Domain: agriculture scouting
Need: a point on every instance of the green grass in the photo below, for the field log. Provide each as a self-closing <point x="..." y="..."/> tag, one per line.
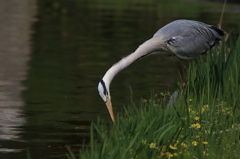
<point x="203" y="123"/>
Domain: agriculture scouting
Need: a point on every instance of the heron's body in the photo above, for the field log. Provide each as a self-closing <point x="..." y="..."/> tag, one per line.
<point x="187" y="39"/>
<point x="184" y="39"/>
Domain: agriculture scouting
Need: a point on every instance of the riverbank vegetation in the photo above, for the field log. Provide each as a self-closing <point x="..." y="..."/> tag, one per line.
<point x="202" y="123"/>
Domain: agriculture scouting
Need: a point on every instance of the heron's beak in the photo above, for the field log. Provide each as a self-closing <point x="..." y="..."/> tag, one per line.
<point x="109" y="106"/>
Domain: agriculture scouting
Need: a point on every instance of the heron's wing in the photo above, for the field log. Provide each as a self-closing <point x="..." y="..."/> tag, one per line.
<point x="187" y="38"/>
<point x="188" y="47"/>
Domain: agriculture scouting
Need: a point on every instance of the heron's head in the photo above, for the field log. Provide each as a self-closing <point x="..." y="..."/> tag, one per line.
<point x="103" y="91"/>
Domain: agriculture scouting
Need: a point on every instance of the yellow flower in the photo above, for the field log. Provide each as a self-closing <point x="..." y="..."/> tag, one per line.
<point x="190" y="100"/>
<point x="175" y="154"/>
<point x="173" y="147"/>
<point x="144" y="141"/>
<point x="189" y="109"/>
<point x="152" y="145"/>
<point x="232" y="126"/>
<point x="169" y="155"/>
<point x="223" y="110"/>
<point x="197" y="118"/>
<point x="197" y="125"/>
<point x="161" y="154"/>
<point x="204" y="108"/>
<point x="164" y="148"/>
<point x="205" y="142"/>
<point x="207" y="131"/>
<point x="184" y="145"/>
<point x="194" y="143"/>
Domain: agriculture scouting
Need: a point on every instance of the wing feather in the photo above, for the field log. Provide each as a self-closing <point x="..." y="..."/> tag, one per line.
<point x="187" y="38"/>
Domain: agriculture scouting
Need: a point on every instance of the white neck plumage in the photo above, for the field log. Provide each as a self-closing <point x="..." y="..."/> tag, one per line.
<point x="147" y="48"/>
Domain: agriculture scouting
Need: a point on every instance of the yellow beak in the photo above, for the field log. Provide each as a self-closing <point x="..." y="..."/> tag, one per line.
<point x="109" y="106"/>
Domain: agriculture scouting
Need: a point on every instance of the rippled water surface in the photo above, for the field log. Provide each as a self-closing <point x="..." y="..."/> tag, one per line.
<point x="53" y="53"/>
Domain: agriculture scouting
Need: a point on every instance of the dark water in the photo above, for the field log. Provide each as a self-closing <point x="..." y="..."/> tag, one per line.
<point x="48" y="81"/>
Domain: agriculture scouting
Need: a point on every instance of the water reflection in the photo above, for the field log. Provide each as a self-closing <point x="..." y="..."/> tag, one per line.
<point x="15" y="23"/>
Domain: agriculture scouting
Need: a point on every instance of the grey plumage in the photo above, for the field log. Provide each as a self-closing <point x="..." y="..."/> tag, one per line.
<point x="187" y="39"/>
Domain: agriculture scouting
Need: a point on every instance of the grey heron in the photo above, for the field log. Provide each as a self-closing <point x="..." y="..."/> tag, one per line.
<point x="184" y="39"/>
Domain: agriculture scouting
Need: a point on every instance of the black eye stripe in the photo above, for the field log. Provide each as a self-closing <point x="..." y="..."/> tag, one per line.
<point x="104" y="86"/>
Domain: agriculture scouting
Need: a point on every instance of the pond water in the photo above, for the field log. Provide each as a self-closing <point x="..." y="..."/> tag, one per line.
<point x="48" y="81"/>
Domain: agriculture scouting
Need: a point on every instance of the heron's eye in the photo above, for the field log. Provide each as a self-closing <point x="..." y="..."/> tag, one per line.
<point x="172" y="40"/>
<point x="104" y="87"/>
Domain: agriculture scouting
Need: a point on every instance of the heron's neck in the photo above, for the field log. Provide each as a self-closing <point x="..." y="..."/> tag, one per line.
<point x="143" y="50"/>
